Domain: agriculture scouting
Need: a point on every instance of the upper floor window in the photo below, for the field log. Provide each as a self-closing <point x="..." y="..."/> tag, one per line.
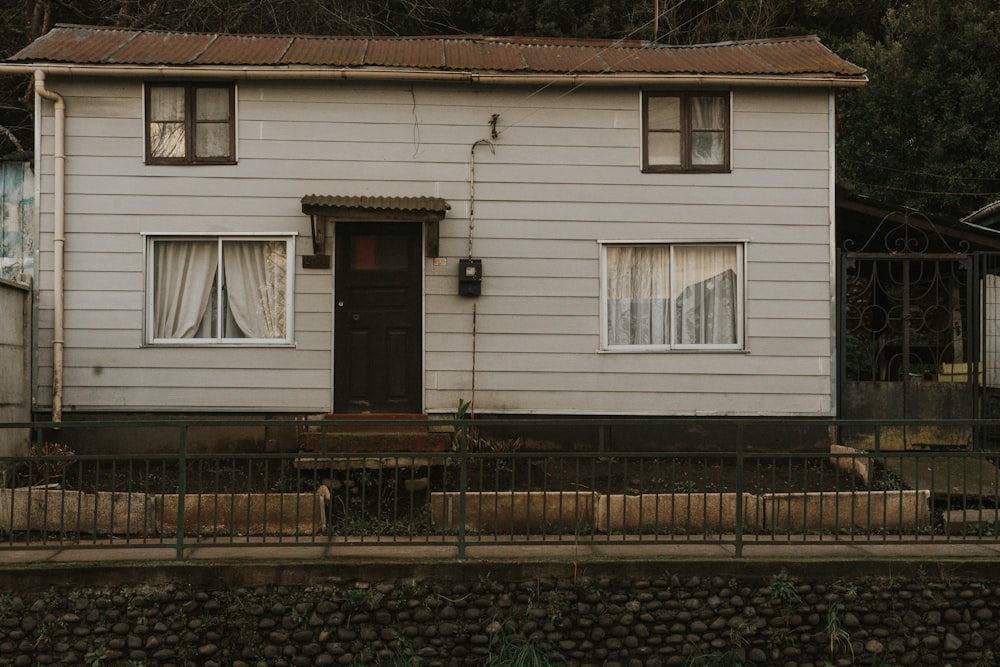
<point x="190" y="123"/>
<point x="219" y="289"/>
<point x="685" y="131"/>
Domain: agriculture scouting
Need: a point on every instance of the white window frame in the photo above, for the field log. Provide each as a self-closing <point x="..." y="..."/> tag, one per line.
<point x="149" y="239"/>
<point x="741" y="280"/>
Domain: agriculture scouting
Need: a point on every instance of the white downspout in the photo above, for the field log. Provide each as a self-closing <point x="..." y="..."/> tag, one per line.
<point x="58" y="241"/>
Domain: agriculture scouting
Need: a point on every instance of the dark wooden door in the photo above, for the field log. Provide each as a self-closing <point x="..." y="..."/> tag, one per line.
<point x="377" y="321"/>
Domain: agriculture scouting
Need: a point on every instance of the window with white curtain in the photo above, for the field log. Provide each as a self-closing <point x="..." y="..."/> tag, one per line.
<point x="219" y="289"/>
<point x="685" y="132"/>
<point x="673" y="296"/>
<point x="190" y="123"/>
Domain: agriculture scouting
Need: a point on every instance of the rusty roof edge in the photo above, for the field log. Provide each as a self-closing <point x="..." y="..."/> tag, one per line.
<point x="376" y="73"/>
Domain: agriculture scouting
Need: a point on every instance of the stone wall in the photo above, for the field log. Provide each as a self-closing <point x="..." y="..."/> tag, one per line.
<point x="473" y="612"/>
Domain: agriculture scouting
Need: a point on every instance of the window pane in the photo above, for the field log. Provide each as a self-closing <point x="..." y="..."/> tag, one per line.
<point x="212" y="140"/>
<point x="166" y="140"/>
<point x="166" y="104"/>
<point x="637" y="294"/>
<point x="381" y="253"/>
<point x="211" y="104"/>
<point x="705" y="292"/>
<point x="254" y="273"/>
<point x="183" y="277"/>
<point x="664" y="113"/>
<point x="708" y="148"/>
<point x="663" y="148"/>
<point x="708" y="113"/>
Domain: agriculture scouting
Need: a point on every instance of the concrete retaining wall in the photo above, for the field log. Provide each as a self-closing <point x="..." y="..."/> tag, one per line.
<point x="866" y="511"/>
<point x="517" y="512"/>
<point x="53" y="510"/>
<point x="15" y="367"/>
<point x="683" y="513"/>
<point x="244" y="514"/>
<point x="104" y="513"/>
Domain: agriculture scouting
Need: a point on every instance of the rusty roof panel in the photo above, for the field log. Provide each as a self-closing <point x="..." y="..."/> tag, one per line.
<point x="343" y="52"/>
<point x="77" y="45"/>
<point x="775" y="57"/>
<point x="420" y="204"/>
<point x="492" y="56"/>
<point x="152" y="48"/>
<point x="244" y="49"/>
<point x="802" y="55"/>
<point x="420" y="53"/>
<point x="565" y="58"/>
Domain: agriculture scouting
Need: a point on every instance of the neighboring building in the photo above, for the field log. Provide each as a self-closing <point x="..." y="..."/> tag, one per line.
<point x="280" y="225"/>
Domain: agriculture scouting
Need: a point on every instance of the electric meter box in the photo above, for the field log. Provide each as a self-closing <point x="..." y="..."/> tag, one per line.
<point x="470" y="277"/>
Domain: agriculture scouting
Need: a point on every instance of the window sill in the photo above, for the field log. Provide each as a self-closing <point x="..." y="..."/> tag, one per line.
<point x="216" y="346"/>
<point x="661" y="170"/>
<point x="179" y="163"/>
<point x="672" y="350"/>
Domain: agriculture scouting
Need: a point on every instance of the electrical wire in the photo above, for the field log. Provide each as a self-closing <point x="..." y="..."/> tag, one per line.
<point x="920" y="173"/>
<point x="942" y="193"/>
<point x="520" y="102"/>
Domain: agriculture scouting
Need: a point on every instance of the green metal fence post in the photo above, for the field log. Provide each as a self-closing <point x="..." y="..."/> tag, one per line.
<point x="181" y="489"/>
<point x="740" y="443"/>
<point x="463" y="482"/>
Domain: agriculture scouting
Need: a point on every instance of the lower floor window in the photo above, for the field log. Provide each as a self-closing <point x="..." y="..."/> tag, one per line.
<point x="673" y="296"/>
<point x="219" y="289"/>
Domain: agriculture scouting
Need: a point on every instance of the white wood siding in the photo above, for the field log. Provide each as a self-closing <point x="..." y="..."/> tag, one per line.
<point x="565" y="174"/>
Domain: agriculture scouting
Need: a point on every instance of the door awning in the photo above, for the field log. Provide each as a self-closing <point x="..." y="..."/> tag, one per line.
<point x="428" y="210"/>
<point x="403" y="209"/>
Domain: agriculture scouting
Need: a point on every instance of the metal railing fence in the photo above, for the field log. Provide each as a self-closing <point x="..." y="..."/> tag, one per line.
<point x="500" y="490"/>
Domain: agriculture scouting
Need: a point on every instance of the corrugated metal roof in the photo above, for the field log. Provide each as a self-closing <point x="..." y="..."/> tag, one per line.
<point x="416" y="204"/>
<point x="252" y="50"/>
<point x="83" y="45"/>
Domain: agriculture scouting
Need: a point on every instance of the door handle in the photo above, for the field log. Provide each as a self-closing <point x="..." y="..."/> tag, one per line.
<point x="340" y="304"/>
<point x="356" y="317"/>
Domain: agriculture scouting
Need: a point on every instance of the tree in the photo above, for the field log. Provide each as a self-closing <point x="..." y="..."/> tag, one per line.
<point x="924" y="133"/>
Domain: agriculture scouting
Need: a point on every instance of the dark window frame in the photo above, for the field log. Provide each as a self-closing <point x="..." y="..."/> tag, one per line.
<point x="190" y="123"/>
<point x="686" y="131"/>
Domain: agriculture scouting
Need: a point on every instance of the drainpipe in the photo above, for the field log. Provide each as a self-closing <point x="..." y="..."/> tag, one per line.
<point x="58" y="242"/>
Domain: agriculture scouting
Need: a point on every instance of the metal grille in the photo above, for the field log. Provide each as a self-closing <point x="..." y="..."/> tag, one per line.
<point x="904" y="317"/>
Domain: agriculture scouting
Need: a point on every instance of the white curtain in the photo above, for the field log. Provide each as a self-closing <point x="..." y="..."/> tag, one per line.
<point x="705" y="295"/>
<point x="638" y="292"/>
<point x="183" y="277"/>
<point x="166" y="121"/>
<point x="708" y="137"/>
<point x="255" y="287"/>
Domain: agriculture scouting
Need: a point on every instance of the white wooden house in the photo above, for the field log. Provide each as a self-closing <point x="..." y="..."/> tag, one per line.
<point x="284" y="225"/>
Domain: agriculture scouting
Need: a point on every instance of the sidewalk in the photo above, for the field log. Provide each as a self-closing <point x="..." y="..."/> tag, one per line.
<point x="814" y="549"/>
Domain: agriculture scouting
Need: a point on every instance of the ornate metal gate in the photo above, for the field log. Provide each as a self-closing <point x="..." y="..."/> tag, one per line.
<point x="906" y="351"/>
